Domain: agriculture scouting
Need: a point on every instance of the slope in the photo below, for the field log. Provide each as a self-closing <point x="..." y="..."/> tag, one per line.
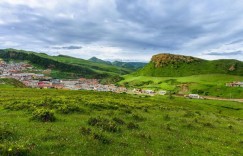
<point x="64" y="64"/>
<point x="11" y="83"/>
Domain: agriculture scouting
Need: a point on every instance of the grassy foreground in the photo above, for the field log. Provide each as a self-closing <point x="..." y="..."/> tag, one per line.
<point x="53" y="122"/>
<point x="208" y="84"/>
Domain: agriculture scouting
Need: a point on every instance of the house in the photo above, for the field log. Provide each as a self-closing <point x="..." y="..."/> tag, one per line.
<point x="57" y="85"/>
<point x="44" y="84"/>
<point x="194" y="96"/>
<point x="149" y="92"/>
<point x="162" y="92"/>
<point x="234" y="84"/>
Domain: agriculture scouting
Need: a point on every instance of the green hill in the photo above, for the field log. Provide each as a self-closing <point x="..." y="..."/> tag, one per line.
<point x="11" y="83"/>
<point x="178" y="65"/>
<point x="97" y="60"/>
<point x="128" y="65"/>
<point x="64" y="66"/>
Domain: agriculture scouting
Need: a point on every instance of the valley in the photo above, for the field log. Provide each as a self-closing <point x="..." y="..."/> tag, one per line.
<point x="120" y="114"/>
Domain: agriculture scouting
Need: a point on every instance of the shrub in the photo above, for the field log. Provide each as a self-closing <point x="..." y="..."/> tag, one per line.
<point x="118" y="121"/>
<point x="14" y="150"/>
<point x="189" y="114"/>
<point x="105" y="124"/>
<point x="208" y="124"/>
<point x="167" y="117"/>
<point x="5" y="134"/>
<point x="143" y="136"/>
<point x="18" y="106"/>
<point x="137" y="117"/>
<point x="101" y="138"/>
<point x="85" y="131"/>
<point x="71" y="108"/>
<point x="43" y="115"/>
<point x="132" y="125"/>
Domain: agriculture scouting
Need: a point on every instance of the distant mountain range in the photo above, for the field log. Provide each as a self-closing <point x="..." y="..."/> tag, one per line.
<point x="128" y="65"/>
<point x="169" y="65"/>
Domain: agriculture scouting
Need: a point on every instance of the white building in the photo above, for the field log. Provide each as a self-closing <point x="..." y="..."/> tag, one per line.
<point x="194" y="96"/>
<point x="162" y="92"/>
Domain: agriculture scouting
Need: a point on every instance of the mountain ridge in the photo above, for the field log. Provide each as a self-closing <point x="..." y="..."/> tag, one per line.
<point x="128" y="65"/>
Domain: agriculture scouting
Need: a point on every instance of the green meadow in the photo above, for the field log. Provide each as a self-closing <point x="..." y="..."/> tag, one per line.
<point x="207" y="84"/>
<point x="58" y="122"/>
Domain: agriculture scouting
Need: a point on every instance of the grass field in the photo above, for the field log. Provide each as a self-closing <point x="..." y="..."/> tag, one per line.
<point x="58" y="122"/>
<point x="208" y="84"/>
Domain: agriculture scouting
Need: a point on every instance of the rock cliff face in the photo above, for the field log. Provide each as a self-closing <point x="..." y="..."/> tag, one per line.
<point x="161" y="60"/>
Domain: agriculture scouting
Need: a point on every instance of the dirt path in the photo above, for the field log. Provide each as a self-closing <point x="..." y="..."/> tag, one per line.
<point x="222" y="99"/>
<point x="215" y="98"/>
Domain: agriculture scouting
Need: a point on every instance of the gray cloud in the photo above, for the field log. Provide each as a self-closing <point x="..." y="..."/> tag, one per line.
<point x="68" y="47"/>
<point x="138" y="27"/>
<point x="226" y="53"/>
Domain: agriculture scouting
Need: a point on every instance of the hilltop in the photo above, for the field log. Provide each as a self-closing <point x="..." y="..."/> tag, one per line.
<point x="178" y="65"/>
<point x="97" y="60"/>
<point x="64" y="66"/>
<point x="128" y="65"/>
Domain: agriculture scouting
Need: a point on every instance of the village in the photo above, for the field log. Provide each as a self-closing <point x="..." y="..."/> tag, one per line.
<point x="36" y="79"/>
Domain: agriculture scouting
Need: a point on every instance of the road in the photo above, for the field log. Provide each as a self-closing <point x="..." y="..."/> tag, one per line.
<point x="222" y="99"/>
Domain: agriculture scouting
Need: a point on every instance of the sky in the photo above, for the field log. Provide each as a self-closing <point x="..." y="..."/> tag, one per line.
<point x="126" y="30"/>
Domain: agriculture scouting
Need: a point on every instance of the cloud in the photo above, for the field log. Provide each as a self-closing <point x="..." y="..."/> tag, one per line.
<point x="135" y="29"/>
<point x="225" y="53"/>
<point x="68" y="47"/>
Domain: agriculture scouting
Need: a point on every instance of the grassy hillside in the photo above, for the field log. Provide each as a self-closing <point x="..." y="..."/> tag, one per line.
<point x="130" y="65"/>
<point x="97" y="60"/>
<point x="177" y="65"/>
<point x="11" y="83"/>
<point x="72" y="67"/>
<point x="133" y="66"/>
<point x="56" y="122"/>
<point x="207" y="84"/>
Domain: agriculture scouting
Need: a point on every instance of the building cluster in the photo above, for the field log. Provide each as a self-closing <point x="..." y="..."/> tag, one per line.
<point x="21" y="72"/>
<point x="235" y="84"/>
<point x="149" y="92"/>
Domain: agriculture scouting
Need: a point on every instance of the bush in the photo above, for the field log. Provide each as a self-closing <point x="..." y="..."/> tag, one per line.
<point x="5" y="134"/>
<point x="101" y="138"/>
<point x="137" y="117"/>
<point x="105" y="124"/>
<point x="167" y="117"/>
<point x="18" y="106"/>
<point x="118" y="121"/>
<point x="71" y="108"/>
<point x="132" y="125"/>
<point x="13" y="150"/>
<point x="85" y="131"/>
<point x="43" y="115"/>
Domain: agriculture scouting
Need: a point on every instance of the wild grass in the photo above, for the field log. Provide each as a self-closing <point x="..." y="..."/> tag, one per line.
<point x="117" y="124"/>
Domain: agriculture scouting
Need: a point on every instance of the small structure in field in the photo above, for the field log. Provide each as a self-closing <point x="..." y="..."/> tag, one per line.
<point x="194" y="96"/>
<point x="150" y="92"/>
<point x="234" y="84"/>
<point x="162" y="92"/>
